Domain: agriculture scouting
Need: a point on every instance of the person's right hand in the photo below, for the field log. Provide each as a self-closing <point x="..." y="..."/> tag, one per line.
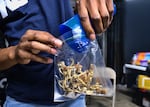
<point x="33" y="42"/>
<point x="95" y="15"/>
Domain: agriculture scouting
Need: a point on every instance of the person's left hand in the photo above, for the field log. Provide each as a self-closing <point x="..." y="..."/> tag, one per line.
<point x="95" y="15"/>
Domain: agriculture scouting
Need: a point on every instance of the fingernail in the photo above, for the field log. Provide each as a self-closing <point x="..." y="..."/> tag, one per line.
<point x="53" y="51"/>
<point x="92" y="36"/>
<point x="49" y="61"/>
<point x="58" y="42"/>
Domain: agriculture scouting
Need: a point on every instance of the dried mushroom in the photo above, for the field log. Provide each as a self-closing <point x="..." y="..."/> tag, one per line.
<point x="76" y="80"/>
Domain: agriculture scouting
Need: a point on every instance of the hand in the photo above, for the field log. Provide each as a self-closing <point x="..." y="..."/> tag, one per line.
<point x="33" y="42"/>
<point x="95" y="15"/>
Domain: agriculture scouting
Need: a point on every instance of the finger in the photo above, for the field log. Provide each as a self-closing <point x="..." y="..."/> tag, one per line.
<point x="24" y="57"/>
<point x="110" y="8"/>
<point x="95" y="16"/>
<point x="41" y="36"/>
<point x="36" y="47"/>
<point x="24" y="61"/>
<point x="35" y="51"/>
<point x="104" y="13"/>
<point x="40" y="59"/>
<point x="84" y="18"/>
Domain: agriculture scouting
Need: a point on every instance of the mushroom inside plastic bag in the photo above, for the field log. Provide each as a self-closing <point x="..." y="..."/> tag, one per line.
<point x="79" y="65"/>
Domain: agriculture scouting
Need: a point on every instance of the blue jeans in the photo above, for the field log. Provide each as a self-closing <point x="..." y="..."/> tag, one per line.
<point x="79" y="102"/>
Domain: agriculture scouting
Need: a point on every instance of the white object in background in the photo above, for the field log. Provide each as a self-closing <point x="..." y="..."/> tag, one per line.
<point x="141" y="68"/>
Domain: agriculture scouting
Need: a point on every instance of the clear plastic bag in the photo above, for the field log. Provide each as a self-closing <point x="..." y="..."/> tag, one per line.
<point x="80" y="67"/>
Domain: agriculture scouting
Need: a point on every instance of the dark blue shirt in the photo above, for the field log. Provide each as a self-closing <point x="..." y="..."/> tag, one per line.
<point x="33" y="82"/>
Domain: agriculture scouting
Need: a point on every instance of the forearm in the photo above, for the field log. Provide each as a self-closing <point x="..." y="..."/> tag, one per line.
<point x="7" y="58"/>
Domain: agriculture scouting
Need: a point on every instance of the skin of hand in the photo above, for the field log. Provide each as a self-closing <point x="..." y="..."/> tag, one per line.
<point x="95" y="15"/>
<point x="33" y="42"/>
